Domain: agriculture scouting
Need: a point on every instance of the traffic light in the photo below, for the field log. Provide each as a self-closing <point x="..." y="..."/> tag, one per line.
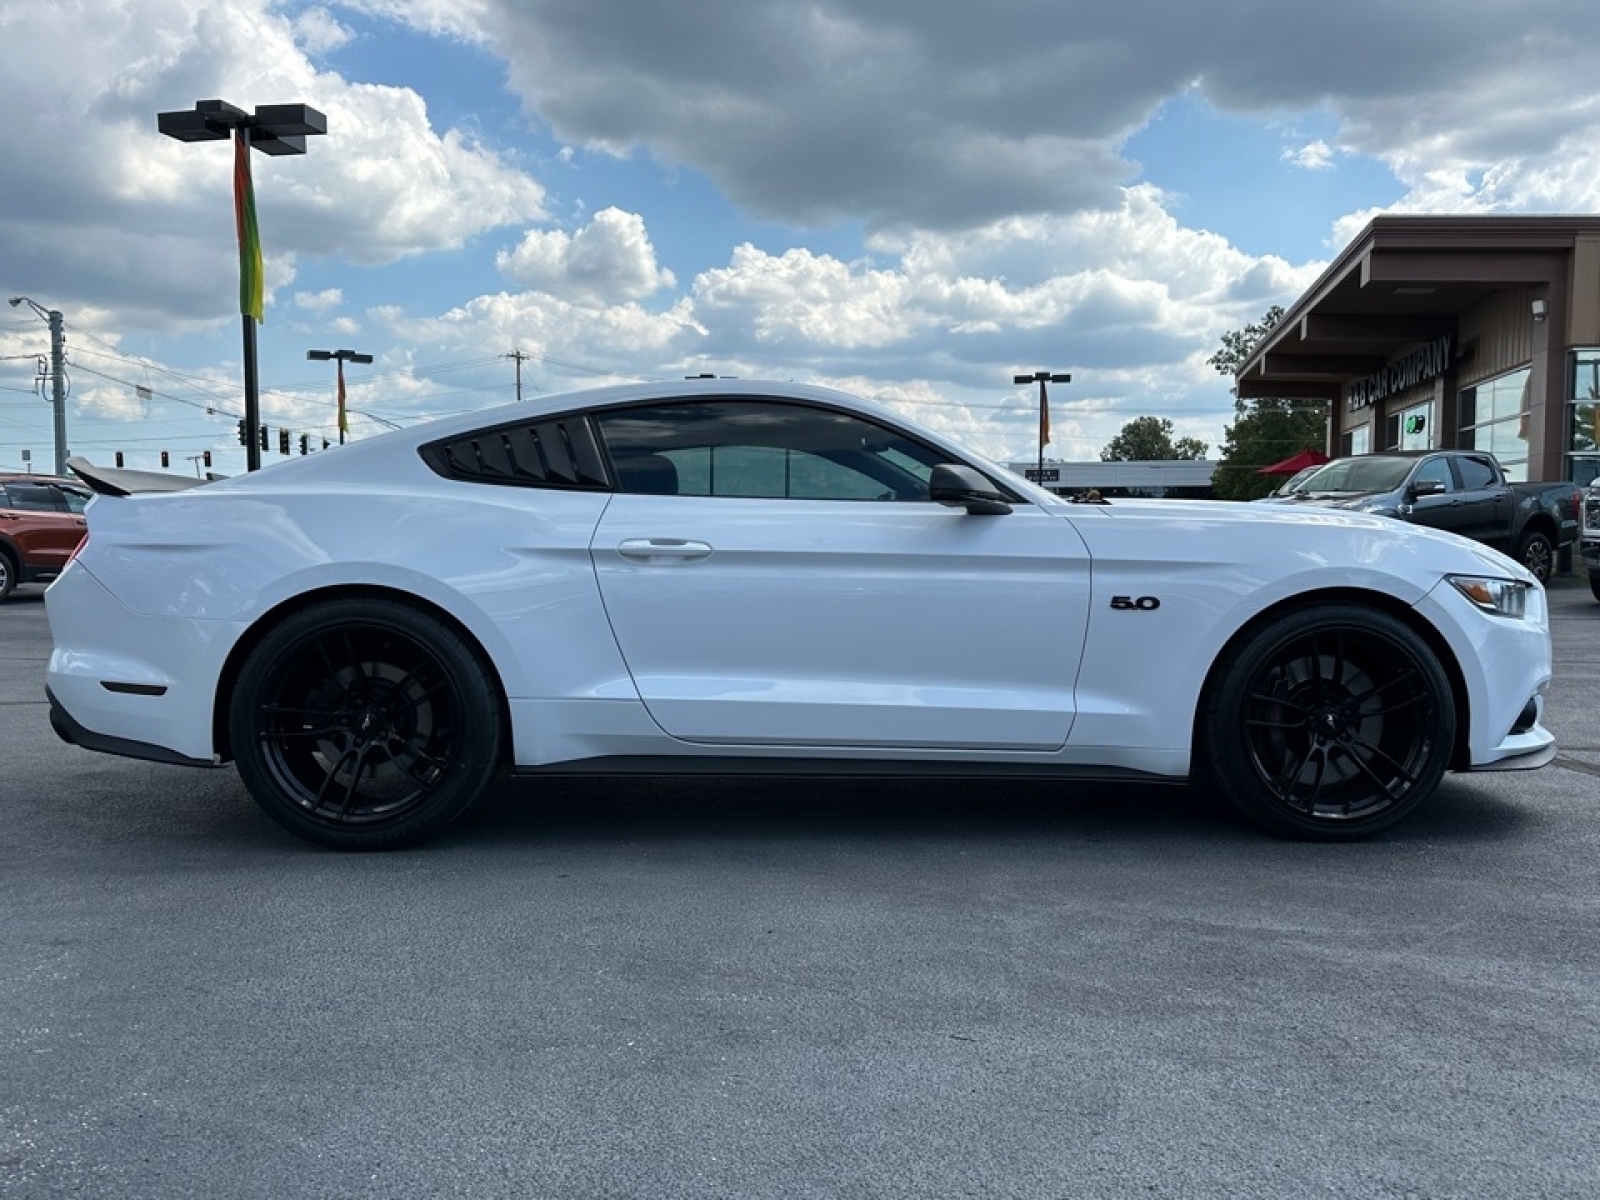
<point x="244" y="433"/>
<point x="163" y="460"/>
<point x="205" y="457"/>
<point x="283" y="441"/>
<point x="119" y="458"/>
<point x="305" y="444"/>
<point x="263" y="437"/>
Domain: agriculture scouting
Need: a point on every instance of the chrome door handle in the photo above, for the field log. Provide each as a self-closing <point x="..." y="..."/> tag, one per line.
<point x="646" y="549"/>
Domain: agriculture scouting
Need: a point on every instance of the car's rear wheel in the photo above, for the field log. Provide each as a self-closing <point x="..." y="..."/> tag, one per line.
<point x="365" y="724"/>
<point x="1594" y="585"/>
<point x="1329" y="723"/>
<point x="1536" y="552"/>
<point x="8" y="574"/>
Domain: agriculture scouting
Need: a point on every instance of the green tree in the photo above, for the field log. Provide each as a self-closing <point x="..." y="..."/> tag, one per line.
<point x="1149" y="439"/>
<point x="1267" y="430"/>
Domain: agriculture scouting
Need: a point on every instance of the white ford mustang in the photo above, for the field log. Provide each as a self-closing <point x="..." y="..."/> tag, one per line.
<point x="749" y="578"/>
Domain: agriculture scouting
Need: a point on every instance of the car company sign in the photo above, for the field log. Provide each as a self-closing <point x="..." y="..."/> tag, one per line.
<point x="1424" y="363"/>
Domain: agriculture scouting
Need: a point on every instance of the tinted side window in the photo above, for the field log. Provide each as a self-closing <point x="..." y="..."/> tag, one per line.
<point x="759" y="448"/>
<point x="1436" y="469"/>
<point x="558" y="452"/>
<point x="33" y="497"/>
<point x="1475" y="473"/>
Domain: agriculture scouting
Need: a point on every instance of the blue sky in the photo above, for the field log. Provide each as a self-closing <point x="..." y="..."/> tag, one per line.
<point x="908" y="201"/>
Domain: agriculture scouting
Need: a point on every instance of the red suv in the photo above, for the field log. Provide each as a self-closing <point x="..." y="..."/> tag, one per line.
<point x="41" y="524"/>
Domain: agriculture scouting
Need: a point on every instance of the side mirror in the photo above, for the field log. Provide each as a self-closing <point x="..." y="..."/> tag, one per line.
<point x="1427" y="487"/>
<point x="963" y="487"/>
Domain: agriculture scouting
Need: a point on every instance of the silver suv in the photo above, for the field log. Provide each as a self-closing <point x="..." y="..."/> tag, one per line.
<point x="1589" y="536"/>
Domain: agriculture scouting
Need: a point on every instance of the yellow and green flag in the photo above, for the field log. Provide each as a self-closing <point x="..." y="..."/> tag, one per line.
<point x="252" y="301"/>
<point x="344" y="420"/>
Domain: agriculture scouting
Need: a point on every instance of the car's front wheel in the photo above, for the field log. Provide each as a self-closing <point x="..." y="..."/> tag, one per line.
<point x="8" y="574"/>
<point x="364" y="724"/>
<point x="1329" y="723"/>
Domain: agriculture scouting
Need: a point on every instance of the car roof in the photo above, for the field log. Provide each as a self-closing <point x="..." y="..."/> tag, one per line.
<point x="47" y="480"/>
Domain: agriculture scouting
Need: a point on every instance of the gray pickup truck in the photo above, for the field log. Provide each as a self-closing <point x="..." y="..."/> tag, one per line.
<point x="1589" y="537"/>
<point x="1463" y="491"/>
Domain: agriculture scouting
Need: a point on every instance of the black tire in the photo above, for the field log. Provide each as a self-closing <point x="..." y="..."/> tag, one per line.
<point x="1538" y="553"/>
<point x="365" y="724"/>
<point x="1329" y="723"/>
<point x="1594" y="585"/>
<point x="8" y="574"/>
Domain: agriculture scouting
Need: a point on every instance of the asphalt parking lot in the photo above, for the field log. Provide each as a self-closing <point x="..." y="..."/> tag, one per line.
<point x="750" y="989"/>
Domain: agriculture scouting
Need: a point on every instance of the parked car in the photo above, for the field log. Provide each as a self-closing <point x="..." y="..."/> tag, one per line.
<point x="1292" y="485"/>
<point x="1589" y="540"/>
<point x="750" y="578"/>
<point x="41" y="524"/>
<point x="1461" y="491"/>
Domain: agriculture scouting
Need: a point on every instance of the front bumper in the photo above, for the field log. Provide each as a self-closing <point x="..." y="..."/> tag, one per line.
<point x="1506" y="666"/>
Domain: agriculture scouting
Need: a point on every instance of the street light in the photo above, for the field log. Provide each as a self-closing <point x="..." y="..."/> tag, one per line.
<point x="1042" y="378"/>
<point x="273" y="129"/>
<point x="340" y="357"/>
<point x="58" y="374"/>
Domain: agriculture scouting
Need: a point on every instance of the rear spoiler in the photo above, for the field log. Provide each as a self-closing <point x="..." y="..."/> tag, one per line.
<point x="114" y="481"/>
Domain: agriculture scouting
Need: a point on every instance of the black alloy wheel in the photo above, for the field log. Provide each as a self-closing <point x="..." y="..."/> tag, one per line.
<point x="365" y="724"/>
<point x="1331" y="723"/>
<point x="1536" y="553"/>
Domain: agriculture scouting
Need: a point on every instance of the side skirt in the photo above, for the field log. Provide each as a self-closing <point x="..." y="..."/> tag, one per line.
<point x="854" y="768"/>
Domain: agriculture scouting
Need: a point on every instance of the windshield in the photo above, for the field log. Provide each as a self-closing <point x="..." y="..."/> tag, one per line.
<point x="1360" y="475"/>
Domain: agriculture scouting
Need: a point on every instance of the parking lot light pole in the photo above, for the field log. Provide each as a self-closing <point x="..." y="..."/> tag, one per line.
<point x="1042" y="378"/>
<point x="272" y="129"/>
<point x="340" y="357"/>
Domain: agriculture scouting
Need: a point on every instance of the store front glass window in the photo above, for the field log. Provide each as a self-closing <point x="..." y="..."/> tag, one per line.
<point x="1356" y="441"/>
<point x="1409" y="429"/>
<point x="1583" y="430"/>
<point x="1493" y="416"/>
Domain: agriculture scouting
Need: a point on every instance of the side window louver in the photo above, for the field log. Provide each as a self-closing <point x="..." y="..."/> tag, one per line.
<point x="561" y="452"/>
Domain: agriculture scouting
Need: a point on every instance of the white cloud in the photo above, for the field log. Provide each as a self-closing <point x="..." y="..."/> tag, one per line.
<point x="116" y="214"/>
<point x="1313" y="156"/>
<point x="321" y="302"/>
<point x="318" y="32"/>
<point x="953" y="116"/>
<point x="608" y="260"/>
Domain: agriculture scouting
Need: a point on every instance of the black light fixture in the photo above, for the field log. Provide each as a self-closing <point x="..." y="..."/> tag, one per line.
<point x="275" y="129"/>
<point x="1042" y="378"/>
<point x="341" y="357"/>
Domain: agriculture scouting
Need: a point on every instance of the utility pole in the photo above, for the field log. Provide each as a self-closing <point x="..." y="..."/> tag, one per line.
<point x="518" y="356"/>
<point x="58" y="374"/>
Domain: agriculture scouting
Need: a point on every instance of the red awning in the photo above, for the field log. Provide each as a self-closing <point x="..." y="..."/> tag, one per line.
<point x="1306" y="458"/>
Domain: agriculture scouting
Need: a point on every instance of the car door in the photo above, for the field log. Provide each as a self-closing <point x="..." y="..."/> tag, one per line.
<point x="1485" y="500"/>
<point x="776" y="574"/>
<point x="1440" y="510"/>
<point x="39" y="520"/>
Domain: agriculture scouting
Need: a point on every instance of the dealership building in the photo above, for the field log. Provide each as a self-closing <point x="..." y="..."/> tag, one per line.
<point x="1478" y="333"/>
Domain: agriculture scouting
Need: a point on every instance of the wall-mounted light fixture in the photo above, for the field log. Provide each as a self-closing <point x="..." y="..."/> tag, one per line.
<point x="1540" y="309"/>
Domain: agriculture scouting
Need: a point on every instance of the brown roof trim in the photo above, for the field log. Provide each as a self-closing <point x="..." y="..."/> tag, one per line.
<point x="1526" y="246"/>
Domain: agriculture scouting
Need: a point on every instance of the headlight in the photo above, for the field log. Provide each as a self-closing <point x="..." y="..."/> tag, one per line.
<point x="1502" y="597"/>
